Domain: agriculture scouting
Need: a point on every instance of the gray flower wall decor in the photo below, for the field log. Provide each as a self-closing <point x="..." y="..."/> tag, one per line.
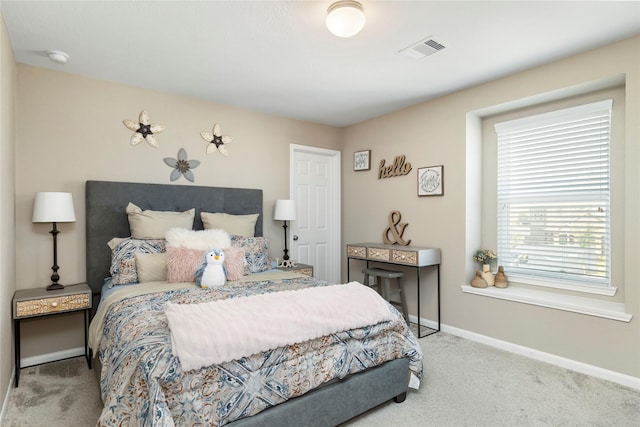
<point x="181" y="166"/>
<point x="216" y="140"/>
<point x="143" y="129"/>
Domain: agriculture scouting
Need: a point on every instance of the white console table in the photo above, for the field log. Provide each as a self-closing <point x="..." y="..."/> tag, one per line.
<point x="410" y="256"/>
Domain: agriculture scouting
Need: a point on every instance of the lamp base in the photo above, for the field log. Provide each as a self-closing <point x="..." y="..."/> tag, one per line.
<point x="286" y="251"/>
<point x="54" y="286"/>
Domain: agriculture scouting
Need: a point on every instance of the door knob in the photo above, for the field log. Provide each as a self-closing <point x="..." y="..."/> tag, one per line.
<point x="295" y="237"/>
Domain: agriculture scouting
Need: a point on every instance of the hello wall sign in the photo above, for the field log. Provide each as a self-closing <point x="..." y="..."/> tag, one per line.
<point x="398" y="168"/>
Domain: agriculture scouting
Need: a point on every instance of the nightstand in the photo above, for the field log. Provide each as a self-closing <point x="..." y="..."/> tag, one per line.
<point x="29" y="303"/>
<point x="305" y="269"/>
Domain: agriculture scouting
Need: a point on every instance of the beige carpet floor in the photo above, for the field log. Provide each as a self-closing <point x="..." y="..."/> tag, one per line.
<point x="466" y="384"/>
<point x="474" y="385"/>
<point x="57" y="394"/>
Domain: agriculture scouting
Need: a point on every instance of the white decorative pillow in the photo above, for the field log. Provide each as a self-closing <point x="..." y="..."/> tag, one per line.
<point x="154" y="224"/>
<point x="151" y="267"/>
<point x="256" y="252"/>
<point x="200" y="239"/>
<point x="239" y="225"/>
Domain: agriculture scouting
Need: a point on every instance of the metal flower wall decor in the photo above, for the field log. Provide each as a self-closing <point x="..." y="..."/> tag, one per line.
<point x="216" y="140"/>
<point x="143" y="129"/>
<point x="181" y="166"/>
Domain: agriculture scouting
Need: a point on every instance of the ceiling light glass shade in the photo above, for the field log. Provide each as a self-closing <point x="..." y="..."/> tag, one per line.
<point x="345" y="18"/>
<point x="53" y="207"/>
<point x="285" y="210"/>
<point x="58" y="56"/>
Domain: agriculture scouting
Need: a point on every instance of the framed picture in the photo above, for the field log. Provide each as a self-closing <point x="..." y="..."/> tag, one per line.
<point x="362" y="160"/>
<point x="431" y="181"/>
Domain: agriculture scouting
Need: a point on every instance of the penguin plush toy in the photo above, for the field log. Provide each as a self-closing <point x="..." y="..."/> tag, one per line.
<point x="212" y="272"/>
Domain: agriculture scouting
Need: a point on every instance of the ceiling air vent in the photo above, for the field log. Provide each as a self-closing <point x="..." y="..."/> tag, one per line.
<point x="423" y="48"/>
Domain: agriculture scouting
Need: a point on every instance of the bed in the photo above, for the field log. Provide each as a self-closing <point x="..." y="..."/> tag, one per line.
<point x="323" y="381"/>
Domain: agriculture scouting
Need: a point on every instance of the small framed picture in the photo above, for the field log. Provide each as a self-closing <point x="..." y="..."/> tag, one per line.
<point x="362" y="160"/>
<point x="431" y="181"/>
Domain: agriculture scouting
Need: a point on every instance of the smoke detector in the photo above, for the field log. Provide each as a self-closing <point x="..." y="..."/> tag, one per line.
<point x="423" y="48"/>
<point x="58" y="56"/>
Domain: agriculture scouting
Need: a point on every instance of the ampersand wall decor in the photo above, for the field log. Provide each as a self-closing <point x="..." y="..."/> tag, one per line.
<point x="397" y="229"/>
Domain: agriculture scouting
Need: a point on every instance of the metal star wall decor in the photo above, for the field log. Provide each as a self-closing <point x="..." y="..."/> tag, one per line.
<point x="216" y="140"/>
<point x="181" y="166"/>
<point x="143" y="129"/>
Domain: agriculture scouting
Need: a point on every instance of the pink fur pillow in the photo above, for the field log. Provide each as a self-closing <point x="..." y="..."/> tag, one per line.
<point x="234" y="263"/>
<point x="182" y="264"/>
<point x="186" y="249"/>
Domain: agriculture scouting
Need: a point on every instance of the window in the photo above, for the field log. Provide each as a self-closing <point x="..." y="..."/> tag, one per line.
<point x="554" y="196"/>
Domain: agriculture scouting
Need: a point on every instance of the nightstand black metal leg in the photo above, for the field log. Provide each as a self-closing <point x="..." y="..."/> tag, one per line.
<point x="87" y="354"/>
<point x="16" y="346"/>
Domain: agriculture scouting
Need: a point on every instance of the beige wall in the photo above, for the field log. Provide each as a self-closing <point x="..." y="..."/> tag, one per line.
<point x="436" y="133"/>
<point x="7" y="185"/>
<point x="70" y="130"/>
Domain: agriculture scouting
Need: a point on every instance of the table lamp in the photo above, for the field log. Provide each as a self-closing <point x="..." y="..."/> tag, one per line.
<point x="54" y="207"/>
<point x="285" y="210"/>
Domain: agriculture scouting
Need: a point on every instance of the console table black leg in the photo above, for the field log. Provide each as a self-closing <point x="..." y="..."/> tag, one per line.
<point x="438" y="297"/>
<point x="418" y="288"/>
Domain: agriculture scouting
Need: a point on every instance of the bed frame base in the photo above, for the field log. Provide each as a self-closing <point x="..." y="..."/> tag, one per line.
<point x="340" y="401"/>
<point x="400" y="398"/>
<point x="334" y="403"/>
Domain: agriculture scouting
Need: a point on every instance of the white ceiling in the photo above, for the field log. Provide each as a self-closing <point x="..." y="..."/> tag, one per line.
<point x="278" y="57"/>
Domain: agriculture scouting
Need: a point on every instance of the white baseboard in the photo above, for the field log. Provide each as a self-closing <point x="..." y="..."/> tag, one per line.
<point x="51" y="357"/>
<point x="574" y="365"/>
<point x="5" y="403"/>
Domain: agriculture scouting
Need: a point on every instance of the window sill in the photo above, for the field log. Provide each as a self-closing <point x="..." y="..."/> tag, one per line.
<point x="588" y="306"/>
<point x="590" y="289"/>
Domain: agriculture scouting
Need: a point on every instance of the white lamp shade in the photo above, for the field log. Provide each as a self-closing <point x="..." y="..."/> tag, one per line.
<point x="53" y="207"/>
<point x="285" y="210"/>
<point x="345" y="18"/>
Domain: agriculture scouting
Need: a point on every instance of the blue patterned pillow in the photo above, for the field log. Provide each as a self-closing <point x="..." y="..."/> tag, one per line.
<point x="123" y="261"/>
<point x="256" y="253"/>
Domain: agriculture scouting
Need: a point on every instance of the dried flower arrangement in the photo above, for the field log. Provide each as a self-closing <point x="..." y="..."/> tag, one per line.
<point x="485" y="256"/>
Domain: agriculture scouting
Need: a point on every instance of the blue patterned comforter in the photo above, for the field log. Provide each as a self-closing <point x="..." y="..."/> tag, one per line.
<point x="142" y="383"/>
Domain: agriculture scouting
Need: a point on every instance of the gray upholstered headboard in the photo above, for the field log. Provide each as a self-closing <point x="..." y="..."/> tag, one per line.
<point x="106" y="218"/>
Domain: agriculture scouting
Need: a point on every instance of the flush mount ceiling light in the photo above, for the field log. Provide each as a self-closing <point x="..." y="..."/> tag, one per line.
<point x="58" y="56"/>
<point x="345" y="18"/>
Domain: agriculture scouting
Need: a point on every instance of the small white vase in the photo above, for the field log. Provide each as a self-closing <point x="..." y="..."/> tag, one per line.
<point x="487" y="275"/>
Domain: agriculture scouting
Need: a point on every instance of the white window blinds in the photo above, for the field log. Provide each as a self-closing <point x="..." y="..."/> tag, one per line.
<point x="553" y="195"/>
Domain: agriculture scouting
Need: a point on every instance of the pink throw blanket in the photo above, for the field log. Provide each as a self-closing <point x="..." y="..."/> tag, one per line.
<point x="225" y="330"/>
